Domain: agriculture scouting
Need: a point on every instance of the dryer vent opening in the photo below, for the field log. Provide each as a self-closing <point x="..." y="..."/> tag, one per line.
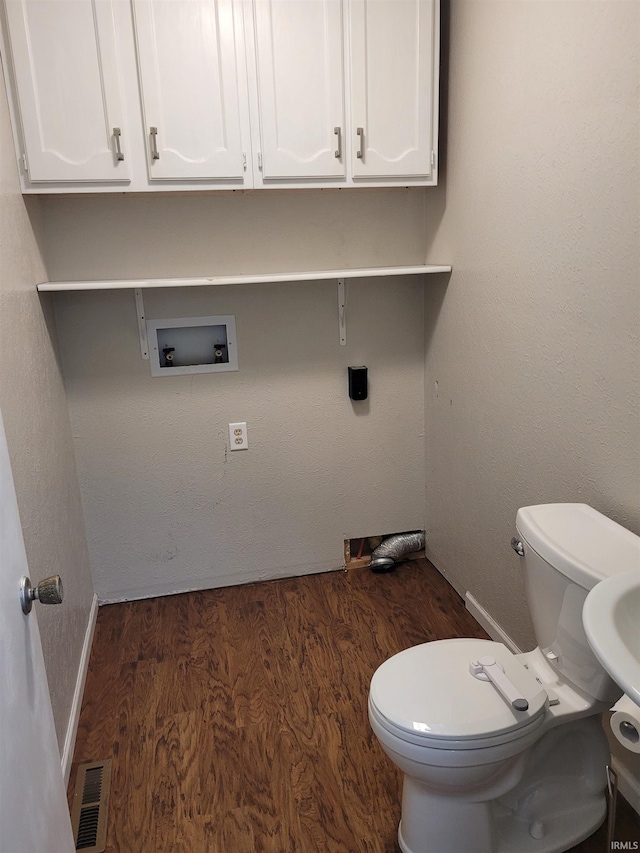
<point x="381" y="553"/>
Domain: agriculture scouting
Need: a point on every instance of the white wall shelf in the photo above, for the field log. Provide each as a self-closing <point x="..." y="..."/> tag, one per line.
<point x="265" y="278"/>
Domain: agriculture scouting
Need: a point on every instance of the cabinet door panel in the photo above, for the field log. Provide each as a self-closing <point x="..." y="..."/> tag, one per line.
<point x="300" y="87"/>
<point x="188" y="75"/>
<point x="68" y="83"/>
<point x="392" y="79"/>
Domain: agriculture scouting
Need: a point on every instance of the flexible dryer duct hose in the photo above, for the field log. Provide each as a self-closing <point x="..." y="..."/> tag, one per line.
<point x="392" y="549"/>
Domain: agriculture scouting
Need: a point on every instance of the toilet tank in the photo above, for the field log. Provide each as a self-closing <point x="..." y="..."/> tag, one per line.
<point x="568" y="549"/>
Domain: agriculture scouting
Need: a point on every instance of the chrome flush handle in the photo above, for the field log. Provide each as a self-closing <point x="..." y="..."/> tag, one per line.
<point x="517" y="546"/>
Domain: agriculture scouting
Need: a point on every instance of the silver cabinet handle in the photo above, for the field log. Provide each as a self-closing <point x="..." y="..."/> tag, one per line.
<point x="360" y="132"/>
<point x="338" y="152"/>
<point x="117" y="133"/>
<point x="155" y="154"/>
<point x="48" y="591"/>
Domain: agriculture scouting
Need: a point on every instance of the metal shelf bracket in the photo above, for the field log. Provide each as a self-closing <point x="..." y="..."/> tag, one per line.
<point x="342" y="311"/>
<point x="142" y="324"/>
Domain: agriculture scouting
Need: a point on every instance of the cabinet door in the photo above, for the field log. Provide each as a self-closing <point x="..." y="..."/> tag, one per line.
<point x="68" y="85"/>
<point x="392" y="87"/>
<point x="188" y="71"/>
<point x="298" y="46"/>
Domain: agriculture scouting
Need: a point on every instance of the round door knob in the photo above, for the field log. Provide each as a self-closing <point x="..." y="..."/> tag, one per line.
<point x="48" y="591"/>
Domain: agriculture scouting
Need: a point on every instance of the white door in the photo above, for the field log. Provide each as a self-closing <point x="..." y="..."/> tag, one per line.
<point x="299" y="57"/>
<point x="33" y="807"/>
<point x="392" y="87"/>
<point x="189" y="70"/>
<point x="68" y="82"/>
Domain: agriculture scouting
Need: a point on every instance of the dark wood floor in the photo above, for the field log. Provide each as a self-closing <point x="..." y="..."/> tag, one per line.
<point x="236" y="718"/>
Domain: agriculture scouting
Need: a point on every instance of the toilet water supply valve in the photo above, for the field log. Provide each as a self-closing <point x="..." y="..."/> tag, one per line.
<point x="487" y="669"/>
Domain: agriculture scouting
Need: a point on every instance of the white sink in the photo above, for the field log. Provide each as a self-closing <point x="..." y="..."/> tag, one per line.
<point x="611" y="619"/>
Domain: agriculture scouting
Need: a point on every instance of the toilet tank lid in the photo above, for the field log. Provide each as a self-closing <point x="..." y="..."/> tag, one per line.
<point x="580" y="542"/>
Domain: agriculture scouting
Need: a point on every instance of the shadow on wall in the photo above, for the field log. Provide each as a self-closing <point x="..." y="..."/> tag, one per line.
<point x="434" y="300"/>
<point x="46" y="304"/>
<point x="33" y="208"/>
<point x="436" y="197"/>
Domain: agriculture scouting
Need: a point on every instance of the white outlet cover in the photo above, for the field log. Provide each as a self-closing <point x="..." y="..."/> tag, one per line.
<point x="238" y="436"/>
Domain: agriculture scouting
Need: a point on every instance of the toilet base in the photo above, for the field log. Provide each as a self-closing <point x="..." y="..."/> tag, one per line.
<point x="432" y="823"/>
<point x="557" y="802"/>
<point x="505" y="834"/>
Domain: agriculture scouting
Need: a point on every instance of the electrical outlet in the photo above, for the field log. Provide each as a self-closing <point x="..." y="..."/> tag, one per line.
<point x="238" y="437"/>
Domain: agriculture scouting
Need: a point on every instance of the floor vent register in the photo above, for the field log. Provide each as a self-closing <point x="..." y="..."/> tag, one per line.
<point x="90" y="806"/>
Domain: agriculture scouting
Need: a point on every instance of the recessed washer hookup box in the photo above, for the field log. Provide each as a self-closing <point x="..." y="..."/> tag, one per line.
<point x="183" y="345"/>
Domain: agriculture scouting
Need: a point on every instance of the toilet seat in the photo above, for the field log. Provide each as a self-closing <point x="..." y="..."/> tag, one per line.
<point x="426" y="695"/>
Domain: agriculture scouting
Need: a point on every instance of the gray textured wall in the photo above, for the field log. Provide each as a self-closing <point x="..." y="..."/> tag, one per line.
<point x="167" y="506"/>
<point x="36" y="419"/>
<point x="532" y="355"/>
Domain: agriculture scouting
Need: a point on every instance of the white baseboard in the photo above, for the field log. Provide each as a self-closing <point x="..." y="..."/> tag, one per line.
<point x="178" y="586"/>
<point x="489" y="624"/>
<point x="76" y="705"/>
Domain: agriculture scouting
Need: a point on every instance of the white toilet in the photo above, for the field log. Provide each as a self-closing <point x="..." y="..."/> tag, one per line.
<point x="505" y="753"/>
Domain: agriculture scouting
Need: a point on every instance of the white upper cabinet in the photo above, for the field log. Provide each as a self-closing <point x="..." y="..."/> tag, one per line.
<point x="189" y="72"/>
<point x="300" y="82"/>
<point x="156" y="95"/>
<point x="346" y="91"/>
<point x="68" y="83"/>
<point x="393" y="80"/>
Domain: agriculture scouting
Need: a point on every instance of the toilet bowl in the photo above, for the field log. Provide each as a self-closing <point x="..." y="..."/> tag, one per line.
<point x="504" y="752"/>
